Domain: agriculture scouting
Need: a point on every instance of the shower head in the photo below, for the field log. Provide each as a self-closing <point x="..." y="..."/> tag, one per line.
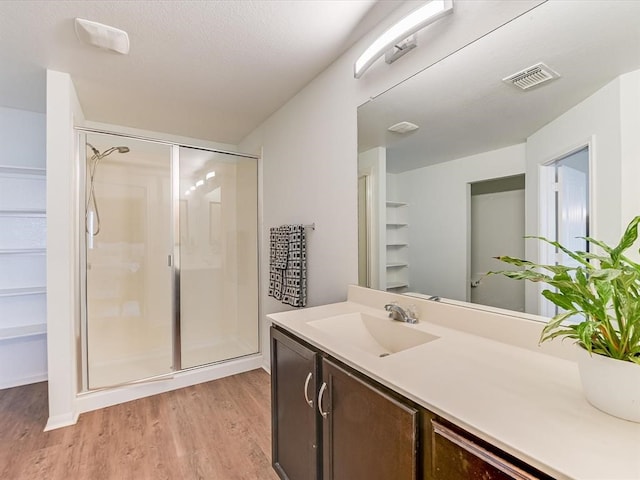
<point x="113" y="149"/>
<point x="98" y="156"/>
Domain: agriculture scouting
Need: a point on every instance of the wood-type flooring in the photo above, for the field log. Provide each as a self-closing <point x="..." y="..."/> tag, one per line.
<point x="218" y="430"/>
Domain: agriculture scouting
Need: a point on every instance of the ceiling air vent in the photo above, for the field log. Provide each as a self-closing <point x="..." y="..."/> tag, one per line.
<point x="531" y="76"/>
<point x="403" y="127"/>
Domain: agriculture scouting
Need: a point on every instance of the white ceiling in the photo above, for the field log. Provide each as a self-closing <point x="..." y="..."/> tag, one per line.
<point x="463" y="107"/>
<point x="210" y="69"/>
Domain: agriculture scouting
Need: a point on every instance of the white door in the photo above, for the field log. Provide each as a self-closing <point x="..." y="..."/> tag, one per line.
<point x="565" y="209"/>
<point x="497" y="228"/>
<point x="572" y="211"/>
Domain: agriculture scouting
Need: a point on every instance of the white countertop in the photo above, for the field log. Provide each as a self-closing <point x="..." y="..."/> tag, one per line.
<point x="527" y="403"/>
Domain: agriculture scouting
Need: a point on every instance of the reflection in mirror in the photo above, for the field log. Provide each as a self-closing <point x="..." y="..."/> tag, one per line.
<point x="492" y="161"/>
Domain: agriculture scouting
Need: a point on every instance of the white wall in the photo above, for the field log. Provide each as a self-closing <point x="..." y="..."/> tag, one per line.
<point x="373" y="163"/>
<point x="309" y="146"/>
<point x="22" y="138"/>
<point x="596" y="121"/>
<point x="63" y="299"/>
<point x="23" y="352"/>
<point x="630" y="150"/>
<point x="441" y="222"/>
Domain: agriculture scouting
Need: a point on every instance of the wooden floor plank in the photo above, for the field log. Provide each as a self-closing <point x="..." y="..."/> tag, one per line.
<point x="218" y="430"/>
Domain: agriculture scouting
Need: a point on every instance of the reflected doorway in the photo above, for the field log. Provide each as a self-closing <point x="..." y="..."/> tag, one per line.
<point x="497" y="228"/>
<point x="564" y="209"/>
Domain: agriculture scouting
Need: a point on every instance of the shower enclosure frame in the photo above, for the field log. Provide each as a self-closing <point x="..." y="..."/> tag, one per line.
<point x="173" y="256"/>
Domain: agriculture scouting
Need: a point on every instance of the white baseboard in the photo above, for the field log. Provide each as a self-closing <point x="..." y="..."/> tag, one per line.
<point x="41" y="377"/>
<point x="86" y="402"/>
<point x="60" y="421"/>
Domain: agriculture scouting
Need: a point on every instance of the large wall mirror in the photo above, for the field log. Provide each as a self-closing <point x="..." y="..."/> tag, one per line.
<point x="548" y="153"/>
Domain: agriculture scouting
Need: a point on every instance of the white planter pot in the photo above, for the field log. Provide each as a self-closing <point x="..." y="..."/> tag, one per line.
<point x="610" y="385"/>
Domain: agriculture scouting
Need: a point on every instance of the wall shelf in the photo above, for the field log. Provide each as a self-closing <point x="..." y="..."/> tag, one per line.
<point x="27" y="212"/>
<point x="10" y="333"/>
<point x="14" y="292"/>
<point x="397" y="253"/>
<point x="23" y="251"/>
<point x="15" y="170"/>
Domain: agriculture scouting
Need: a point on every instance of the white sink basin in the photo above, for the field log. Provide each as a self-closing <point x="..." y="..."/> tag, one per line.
<point x="378" y="336"/>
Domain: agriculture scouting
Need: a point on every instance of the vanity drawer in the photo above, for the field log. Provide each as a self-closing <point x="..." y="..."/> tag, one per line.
<point x="457" y="455"/>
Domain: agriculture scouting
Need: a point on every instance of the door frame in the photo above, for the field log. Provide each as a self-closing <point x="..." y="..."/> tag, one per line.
<point x="80" y="134"/>
<point x="547" y="202"/>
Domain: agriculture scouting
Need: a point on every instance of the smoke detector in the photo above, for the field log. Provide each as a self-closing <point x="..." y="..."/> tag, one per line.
<point x="102" y="36"/>
<point x="532" y="76"/>
<point x="403" y="127"/>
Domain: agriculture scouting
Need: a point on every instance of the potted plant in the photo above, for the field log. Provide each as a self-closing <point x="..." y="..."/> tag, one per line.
<point x="599" y="300"/>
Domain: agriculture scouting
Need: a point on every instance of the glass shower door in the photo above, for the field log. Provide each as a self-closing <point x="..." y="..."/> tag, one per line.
<point x="218" y="256"/>
<point x="130" y="311"/>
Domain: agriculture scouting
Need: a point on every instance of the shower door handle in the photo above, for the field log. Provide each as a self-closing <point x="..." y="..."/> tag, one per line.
<point x="169" y="260"/>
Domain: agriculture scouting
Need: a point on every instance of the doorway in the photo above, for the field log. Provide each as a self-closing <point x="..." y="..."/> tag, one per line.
<point x="497" y="228"/>
<point x="564" y="211"/>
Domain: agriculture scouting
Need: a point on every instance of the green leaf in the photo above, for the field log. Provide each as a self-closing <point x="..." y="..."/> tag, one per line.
<point x="559" y="299"/>
<point x="628" y="238"/>
<point x="601" y="293"/>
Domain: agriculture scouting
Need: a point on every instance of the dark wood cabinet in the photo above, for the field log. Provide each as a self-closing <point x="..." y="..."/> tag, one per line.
<point x="457" y="455"/>
<point x="367" y="434"/>
<point x="295" y="422"/>
<point x="331" y="422"/>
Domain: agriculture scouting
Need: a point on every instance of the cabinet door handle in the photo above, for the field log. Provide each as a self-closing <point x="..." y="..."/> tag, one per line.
<point x="306" y="390"/>
<point x="474" y="449"/>
<point x="320" y="394"/>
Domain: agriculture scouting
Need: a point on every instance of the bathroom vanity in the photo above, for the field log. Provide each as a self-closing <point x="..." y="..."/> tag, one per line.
<point x="357" y="395"/>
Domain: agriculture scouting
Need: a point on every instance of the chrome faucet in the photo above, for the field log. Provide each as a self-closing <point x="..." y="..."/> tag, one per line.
<point x="396" y="312"/>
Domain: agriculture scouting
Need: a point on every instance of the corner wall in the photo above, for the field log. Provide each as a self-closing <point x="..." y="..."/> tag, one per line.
<point x="63" y="300"/>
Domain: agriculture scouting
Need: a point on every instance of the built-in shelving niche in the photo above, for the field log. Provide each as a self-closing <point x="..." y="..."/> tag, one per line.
<point x="397" y="248"/>
<point x="22" y="252"/>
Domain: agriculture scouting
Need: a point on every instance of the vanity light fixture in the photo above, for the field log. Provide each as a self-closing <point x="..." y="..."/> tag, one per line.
<point x="102" y="36"/>
<point x="209" y="175"/>
<point x="395" y="39"/>
<point x="199" y="183"/>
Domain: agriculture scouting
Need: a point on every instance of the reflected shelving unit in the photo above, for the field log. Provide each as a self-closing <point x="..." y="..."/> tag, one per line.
<point x="397" y="246"/>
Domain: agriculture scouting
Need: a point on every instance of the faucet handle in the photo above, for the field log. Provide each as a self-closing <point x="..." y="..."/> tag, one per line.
<point x="412" y="311"/>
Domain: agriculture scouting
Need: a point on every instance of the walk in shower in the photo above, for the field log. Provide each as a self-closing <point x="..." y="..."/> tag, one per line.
<point x="170" y="263"/>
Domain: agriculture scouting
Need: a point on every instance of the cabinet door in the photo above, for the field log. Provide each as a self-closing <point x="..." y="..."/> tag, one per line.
<point x="295" y="423"/>
<point x="366" y="433"/>
<point x="455" y="455"/>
